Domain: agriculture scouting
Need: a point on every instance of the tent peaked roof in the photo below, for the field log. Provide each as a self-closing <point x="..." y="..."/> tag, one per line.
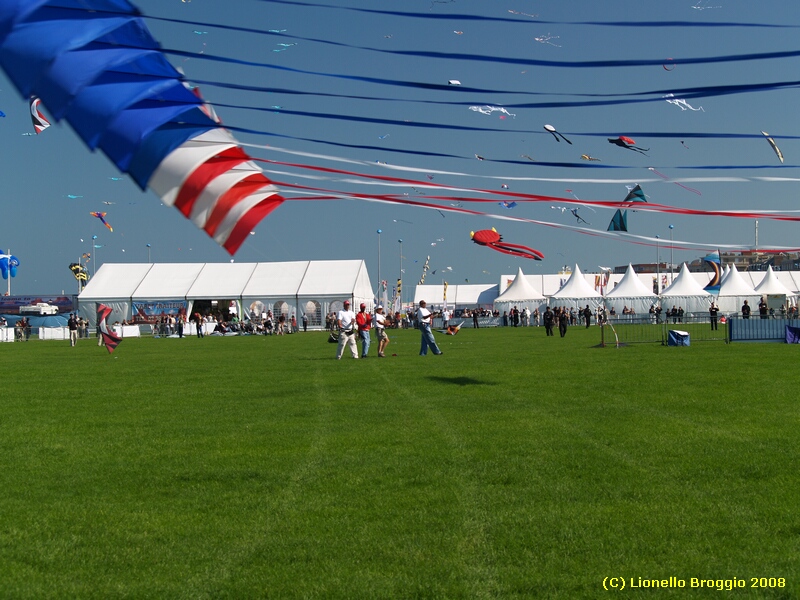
<point x="520" y="289"/>
<point x="735" y="285"/>
<point x="576" y="287"/>
<point x="630" y="286"/>
<point x="772" y="285"/>
<point x="685" y="285"/>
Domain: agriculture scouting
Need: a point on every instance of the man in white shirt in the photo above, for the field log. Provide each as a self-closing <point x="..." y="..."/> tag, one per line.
<point x="380" y="329"/>
<point x="425" y="319"/>
<point x="346" y="319"/>
<point x="445" y="317"/>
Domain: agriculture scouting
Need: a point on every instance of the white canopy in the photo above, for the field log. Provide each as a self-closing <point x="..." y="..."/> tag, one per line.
<point x="520" y="294"/>
<point x="771" y="285"/>
<point x="577" y="292"/>
<point x="292" y="288"/>
<point x="734" y="290"/>
<point x="686" y="293"/>
<point x="630" y="292"/>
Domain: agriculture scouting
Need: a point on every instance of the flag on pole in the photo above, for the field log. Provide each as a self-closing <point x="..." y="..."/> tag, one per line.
<point x="111" y="340"/>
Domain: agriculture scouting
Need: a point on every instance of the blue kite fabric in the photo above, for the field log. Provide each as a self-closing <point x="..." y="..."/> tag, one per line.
<point x="713" y="260"/>
<point x="94" y="64"/>
<point x="792" y="335"/>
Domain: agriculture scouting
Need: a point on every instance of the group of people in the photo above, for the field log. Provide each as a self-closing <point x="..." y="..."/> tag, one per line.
<point x="563" y="318"/>
<point x="352" y="325"/>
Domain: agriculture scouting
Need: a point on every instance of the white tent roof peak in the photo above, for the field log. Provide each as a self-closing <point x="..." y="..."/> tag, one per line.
<point x="735" y="285"/>
<point x="520" y="289"/>
<point x="685" y="285"/>
<point x="576" y="287"/>
<point x="630" y="286"/>
<point x="772" y="285"/>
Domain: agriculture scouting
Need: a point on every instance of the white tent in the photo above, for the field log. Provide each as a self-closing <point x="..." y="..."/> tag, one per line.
<point x="733" y="291"/>
<point x="170" y="288"/>
<point x="520" y="294"/>
<point x="112" y="285"/>
<point x="326" y="284"/>
<point x="686" y="293"/>
<point x="630" y="292"/>
<point x="273" y="287"/>
<point x="465" y="295"/>
<point x="772" y="286"/>
<point x="577" y="293"/>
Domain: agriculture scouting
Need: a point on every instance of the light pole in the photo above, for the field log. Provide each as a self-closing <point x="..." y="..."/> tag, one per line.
<point x="400" y="279"/>
<point x="671" y="256"/>
<point x="658" y="267"/>
<point x="94" y="255"/>
<point x="379" y="258"/>
<point x="148" y="253"/>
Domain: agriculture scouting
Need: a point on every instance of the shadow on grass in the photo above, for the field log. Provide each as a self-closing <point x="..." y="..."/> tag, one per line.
<point x="460" y="380"/>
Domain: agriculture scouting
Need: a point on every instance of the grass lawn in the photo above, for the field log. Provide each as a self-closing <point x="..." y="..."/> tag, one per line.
<point x="512" y="466"/>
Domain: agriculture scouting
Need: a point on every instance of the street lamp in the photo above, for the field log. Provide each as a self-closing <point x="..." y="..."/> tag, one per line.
<point x="658" y="267"/>
<point x="148" y="253"/>
<point x="400" y="279"/>
<point x="94" y="255"/>
<point x="671" y="250"/>
<point x="379" y="258"/>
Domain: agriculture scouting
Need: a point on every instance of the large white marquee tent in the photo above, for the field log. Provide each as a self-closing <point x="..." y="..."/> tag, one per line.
<point x="314" y="288"/>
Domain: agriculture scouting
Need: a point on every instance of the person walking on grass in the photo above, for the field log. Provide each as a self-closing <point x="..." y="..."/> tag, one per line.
<point x="425" y="322"/>
<point x="364" y="324"/>
<point x="346" y="320"/>
<point x="380" y="330"/>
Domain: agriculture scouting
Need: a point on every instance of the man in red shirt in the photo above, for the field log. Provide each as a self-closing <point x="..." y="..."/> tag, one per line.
<point x="364" y="323"/>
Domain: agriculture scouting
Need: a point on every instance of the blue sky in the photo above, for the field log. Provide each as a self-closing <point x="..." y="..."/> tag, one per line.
<point x="47" y="229"/>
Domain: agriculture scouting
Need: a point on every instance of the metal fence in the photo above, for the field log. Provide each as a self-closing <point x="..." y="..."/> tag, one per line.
<point x="637" y="329"/>
<point x="759" y="329"/>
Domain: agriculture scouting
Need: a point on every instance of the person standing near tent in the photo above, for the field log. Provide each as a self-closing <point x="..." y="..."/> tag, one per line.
<point x="198" y="323"/>
<point x="563" y="321"/>
<point x="549" y="320"/>
<point x="346" y="320"/>
<point x="713" y="312"/>
<point x="587" y="314"/>
<point x="380" y="330"/>
<point x="305" y="322"/>
<point x="364" y="323"/>
<point x="72" y="324"/>
<point x="745" y="310"/>
<point x="445" y="317"/>
<point x="425" y="321"/>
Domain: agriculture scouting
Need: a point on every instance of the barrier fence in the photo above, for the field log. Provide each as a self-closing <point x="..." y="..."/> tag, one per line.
<point x="646" y="329"/>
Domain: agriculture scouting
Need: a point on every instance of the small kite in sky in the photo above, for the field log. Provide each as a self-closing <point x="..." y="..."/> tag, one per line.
<point x="507" y="204"/>
<point x="8" y="265"/>
<point x="492" y="239"/>
<point x="556" y="134"/>
<point x="488" y="110"/>
<point x="40" y="122"/>
<point x="545" y="39"/>
<point x="479" y="157"/>
<point x="530" y="158"/>
<point x="619" y="222"/>
<point x="575" y="214"/>
<point x="73" y="196"/>
<point x="504" y="186"/>
<point x="588" y="157"/>
<point x="626" y="142"/>
<point x="669" y="65"/>
<point x="772" y="143"/>
<point x="102" y="217"/>
<point x="665" y="178"/>
<point x="681" y="103"/>
<point x="453" y="82"/>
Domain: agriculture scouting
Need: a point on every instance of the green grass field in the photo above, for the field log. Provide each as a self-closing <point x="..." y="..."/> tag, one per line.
<point x="512" y="466"/>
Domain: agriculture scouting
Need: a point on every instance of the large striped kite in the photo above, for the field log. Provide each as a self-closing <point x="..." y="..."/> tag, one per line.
<point x="95" y="64"/>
